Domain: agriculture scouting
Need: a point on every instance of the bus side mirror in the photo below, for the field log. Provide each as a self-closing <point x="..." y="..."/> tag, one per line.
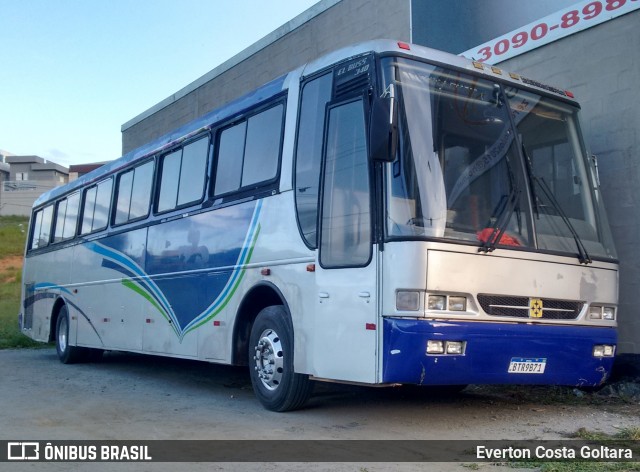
<point x="383" y="131"/>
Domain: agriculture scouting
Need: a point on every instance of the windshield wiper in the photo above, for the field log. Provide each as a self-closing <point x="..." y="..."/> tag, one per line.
<point x="583" y="255"/>
<point x="530" y="175"/>
<point x="501" y="222"/>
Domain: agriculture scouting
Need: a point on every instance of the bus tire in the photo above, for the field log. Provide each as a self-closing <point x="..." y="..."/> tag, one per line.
<point x="66" y="353"/>
<point x="274" y="381"/>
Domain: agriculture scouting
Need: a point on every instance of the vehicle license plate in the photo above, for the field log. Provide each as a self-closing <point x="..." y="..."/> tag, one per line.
<point x="521" y="365"/>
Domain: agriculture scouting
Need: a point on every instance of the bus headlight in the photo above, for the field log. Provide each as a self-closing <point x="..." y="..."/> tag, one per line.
<point x="608" y="313"/>
<point x="458" y="303"/>
<point x="599" y="312"/>
<point x="447" y="302"/>
<point x="437" y="302"/>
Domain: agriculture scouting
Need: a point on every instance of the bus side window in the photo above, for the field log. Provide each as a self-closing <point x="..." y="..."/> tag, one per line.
<point x="230" y="152"/>
<point x="249" y="152"/>
<point x="95" y="210"/>
<point x="262" y="149"/>
<point x="66" y="218"/>
<point x="183" y="174"/>
<point x="134" y="193"/>
<point x="42" y="228"/>
<point x="315" y="96"/>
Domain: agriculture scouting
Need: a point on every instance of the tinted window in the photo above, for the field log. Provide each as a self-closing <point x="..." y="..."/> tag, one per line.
<point x="45" y="231"/>
<point x="183" y="175"/>
<point x="42" y="228"/>
<point x="134" y="193"/>
<point x="71" y="217"/>
<point x="141" y="192"/>
<point x="315" y="95"/>
<point x="125" y="184"/>
<point x="249" y="152"/>
<point x="103" y="202"/>
<point x="193" y="172"/>
<point x="169" y="181"/>
<point x="37" y="225"/>
<point x="60" y="212"/>
<point x="95" y="209"/>
<point x="230" y="155"/>
<point x="66" y="218"/>
<point x="346" y="219"/>
<point x="262" y="150"/>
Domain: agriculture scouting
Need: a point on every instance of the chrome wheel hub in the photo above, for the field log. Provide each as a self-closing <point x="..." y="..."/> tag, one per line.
<point x="269" y="359"/>
<point x="62" y="334"/>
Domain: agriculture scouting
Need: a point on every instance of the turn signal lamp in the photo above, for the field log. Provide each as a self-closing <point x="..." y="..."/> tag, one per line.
<point x="407" y="300"/>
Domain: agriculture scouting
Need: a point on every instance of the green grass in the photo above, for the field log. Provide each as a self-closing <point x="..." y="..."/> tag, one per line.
<point x="624" y="438"/>
<point x="13" y="230"/>
<point x="625" y="434"/>
<point x="578" y="466"/>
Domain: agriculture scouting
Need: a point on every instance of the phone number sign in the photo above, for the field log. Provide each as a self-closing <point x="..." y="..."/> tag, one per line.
<point x="563" y="23"/>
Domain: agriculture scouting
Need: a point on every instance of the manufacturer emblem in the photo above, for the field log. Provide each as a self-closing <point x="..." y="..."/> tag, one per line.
<point x="535" y="308"/>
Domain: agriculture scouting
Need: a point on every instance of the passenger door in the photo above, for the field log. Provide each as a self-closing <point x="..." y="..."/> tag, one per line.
<point x="345" y="335"/>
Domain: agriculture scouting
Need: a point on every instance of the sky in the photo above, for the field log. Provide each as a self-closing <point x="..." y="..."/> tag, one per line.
<point x="73" y="71"/>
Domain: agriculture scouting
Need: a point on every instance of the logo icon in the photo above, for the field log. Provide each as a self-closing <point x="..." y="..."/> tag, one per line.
<point x="535" y="308"/>
<point x="23" y="451"/>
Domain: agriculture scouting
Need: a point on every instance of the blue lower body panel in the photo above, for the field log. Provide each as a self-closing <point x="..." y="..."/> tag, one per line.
<point x="490" y="347"/>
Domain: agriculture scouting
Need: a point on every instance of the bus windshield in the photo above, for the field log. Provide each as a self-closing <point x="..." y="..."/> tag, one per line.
<point x="488" y="164"/>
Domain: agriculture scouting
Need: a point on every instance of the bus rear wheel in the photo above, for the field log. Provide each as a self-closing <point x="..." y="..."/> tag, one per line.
<point x="71" y="354"/>
<point x="274" y="381"/>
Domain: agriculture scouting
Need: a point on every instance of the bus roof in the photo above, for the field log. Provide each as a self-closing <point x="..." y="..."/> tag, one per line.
<point x="173" y="137"/>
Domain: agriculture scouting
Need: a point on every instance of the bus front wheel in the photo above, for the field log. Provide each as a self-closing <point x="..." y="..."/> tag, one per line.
<point x="274" y="381"/>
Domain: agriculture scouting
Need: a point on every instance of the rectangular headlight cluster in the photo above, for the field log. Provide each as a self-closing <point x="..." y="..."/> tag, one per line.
<point x="447" y="302"/>
<point x="604" y="350"/>
<point x="437" y="346"/>
<point x="600" y="312"/>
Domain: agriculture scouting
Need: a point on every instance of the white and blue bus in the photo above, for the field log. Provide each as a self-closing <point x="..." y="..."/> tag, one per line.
<point x="387" y="214"/>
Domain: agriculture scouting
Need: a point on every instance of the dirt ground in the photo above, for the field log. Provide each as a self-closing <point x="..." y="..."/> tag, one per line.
<point x="7" y="263"/>
<point x="134" y="397"/>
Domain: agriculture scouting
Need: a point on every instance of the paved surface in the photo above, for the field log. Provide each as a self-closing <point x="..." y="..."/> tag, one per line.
<point x="134" y="397"/>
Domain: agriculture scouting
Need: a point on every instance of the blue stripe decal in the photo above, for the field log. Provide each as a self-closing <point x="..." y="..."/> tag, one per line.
<point x="51" y="286"/>
<point x="238" y="270"/>
<point x="143" y="284"/>
<point x="140" y="277"/>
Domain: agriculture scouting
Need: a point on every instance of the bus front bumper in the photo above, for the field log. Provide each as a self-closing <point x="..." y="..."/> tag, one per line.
<point x="535" y="354"/>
